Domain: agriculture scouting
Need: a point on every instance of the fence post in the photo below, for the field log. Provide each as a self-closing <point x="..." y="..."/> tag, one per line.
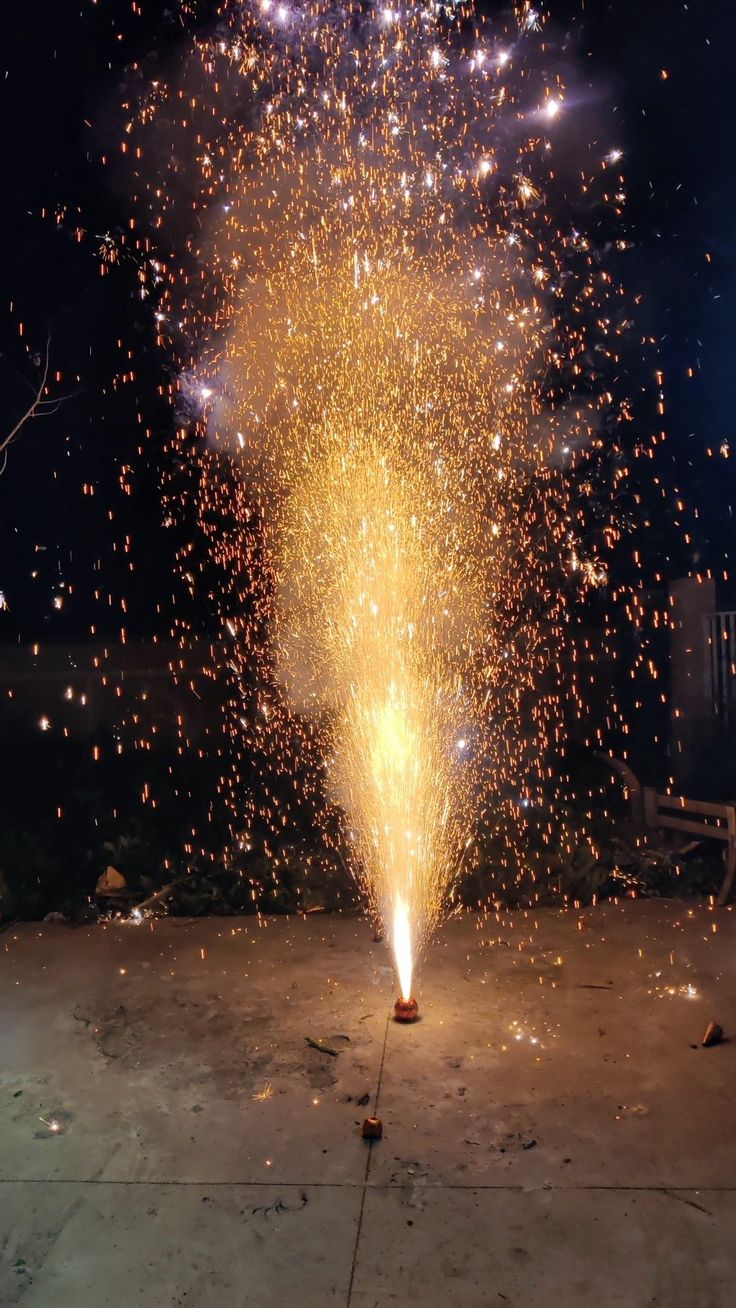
<point x="692" y="602"/>
<point x="730" y="858"/>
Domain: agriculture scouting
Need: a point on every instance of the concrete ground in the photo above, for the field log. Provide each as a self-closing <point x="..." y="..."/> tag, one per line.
<point x="554" y="1134"/>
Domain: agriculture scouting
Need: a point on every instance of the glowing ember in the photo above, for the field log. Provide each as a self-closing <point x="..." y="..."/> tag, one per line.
<point x="261" y="1096"/>
<point x="52" y="1124"/>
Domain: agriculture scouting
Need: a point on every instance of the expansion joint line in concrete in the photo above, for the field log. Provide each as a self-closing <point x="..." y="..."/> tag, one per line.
<point x="367" y="1167"/>
<point x="438" y="1187"/>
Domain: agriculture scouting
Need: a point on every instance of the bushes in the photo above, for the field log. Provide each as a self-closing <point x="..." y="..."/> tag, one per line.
<point x="67" y="814"/>
<point x="159" y="818"/>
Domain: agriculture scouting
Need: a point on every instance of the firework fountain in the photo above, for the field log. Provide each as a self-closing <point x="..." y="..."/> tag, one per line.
<point x="387" y="346"/>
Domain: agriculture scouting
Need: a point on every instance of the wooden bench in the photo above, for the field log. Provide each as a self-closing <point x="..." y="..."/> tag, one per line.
<point x="698" y="818"/>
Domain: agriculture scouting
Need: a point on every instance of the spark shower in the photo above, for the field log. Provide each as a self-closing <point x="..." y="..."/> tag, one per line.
<point x="396" y="345"/>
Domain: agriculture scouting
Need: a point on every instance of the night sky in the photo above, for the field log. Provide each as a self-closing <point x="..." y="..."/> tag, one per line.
<point x="654" y="78"/>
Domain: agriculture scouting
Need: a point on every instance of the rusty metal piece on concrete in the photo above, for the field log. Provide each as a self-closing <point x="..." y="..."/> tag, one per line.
<point x="372" y="1129"/>
<point x="713" y="1035"/>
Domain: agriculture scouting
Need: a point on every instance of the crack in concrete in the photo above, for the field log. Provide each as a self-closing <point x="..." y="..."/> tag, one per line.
<point x="367" y="1169"/>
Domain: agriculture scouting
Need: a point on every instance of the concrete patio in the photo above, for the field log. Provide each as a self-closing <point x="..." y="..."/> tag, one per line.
<point x="554" y="1133"/>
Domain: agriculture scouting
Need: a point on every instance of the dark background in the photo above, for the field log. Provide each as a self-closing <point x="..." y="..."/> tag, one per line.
<point x="62" y="76"/>
<point x="85" y="554"/>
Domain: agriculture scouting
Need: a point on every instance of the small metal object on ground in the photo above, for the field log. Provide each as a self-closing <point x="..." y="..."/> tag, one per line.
<point x="713" y="1035"/>
<point x="377" y="933"/>
<point x="372" y="1129"/>
<point x="406" y="1010"/>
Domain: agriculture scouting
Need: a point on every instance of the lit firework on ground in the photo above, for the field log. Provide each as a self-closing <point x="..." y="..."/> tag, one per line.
<point x="396" y="352"/>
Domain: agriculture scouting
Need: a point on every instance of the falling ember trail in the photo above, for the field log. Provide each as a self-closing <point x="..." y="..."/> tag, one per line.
<point x="398" y="363"/>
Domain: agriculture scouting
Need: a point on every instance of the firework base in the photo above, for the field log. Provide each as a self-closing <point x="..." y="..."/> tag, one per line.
<point x="406" y="1010"/>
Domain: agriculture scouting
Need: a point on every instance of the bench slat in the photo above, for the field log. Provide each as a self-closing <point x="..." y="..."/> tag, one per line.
<point x="693" y="828"/>
<point x="693" y="805"/>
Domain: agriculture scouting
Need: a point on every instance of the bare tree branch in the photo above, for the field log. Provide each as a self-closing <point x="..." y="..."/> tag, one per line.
<point x="36" y="409"/>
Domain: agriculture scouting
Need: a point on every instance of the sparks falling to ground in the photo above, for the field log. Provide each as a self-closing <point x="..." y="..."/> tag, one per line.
<point x="402" y="369"/>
